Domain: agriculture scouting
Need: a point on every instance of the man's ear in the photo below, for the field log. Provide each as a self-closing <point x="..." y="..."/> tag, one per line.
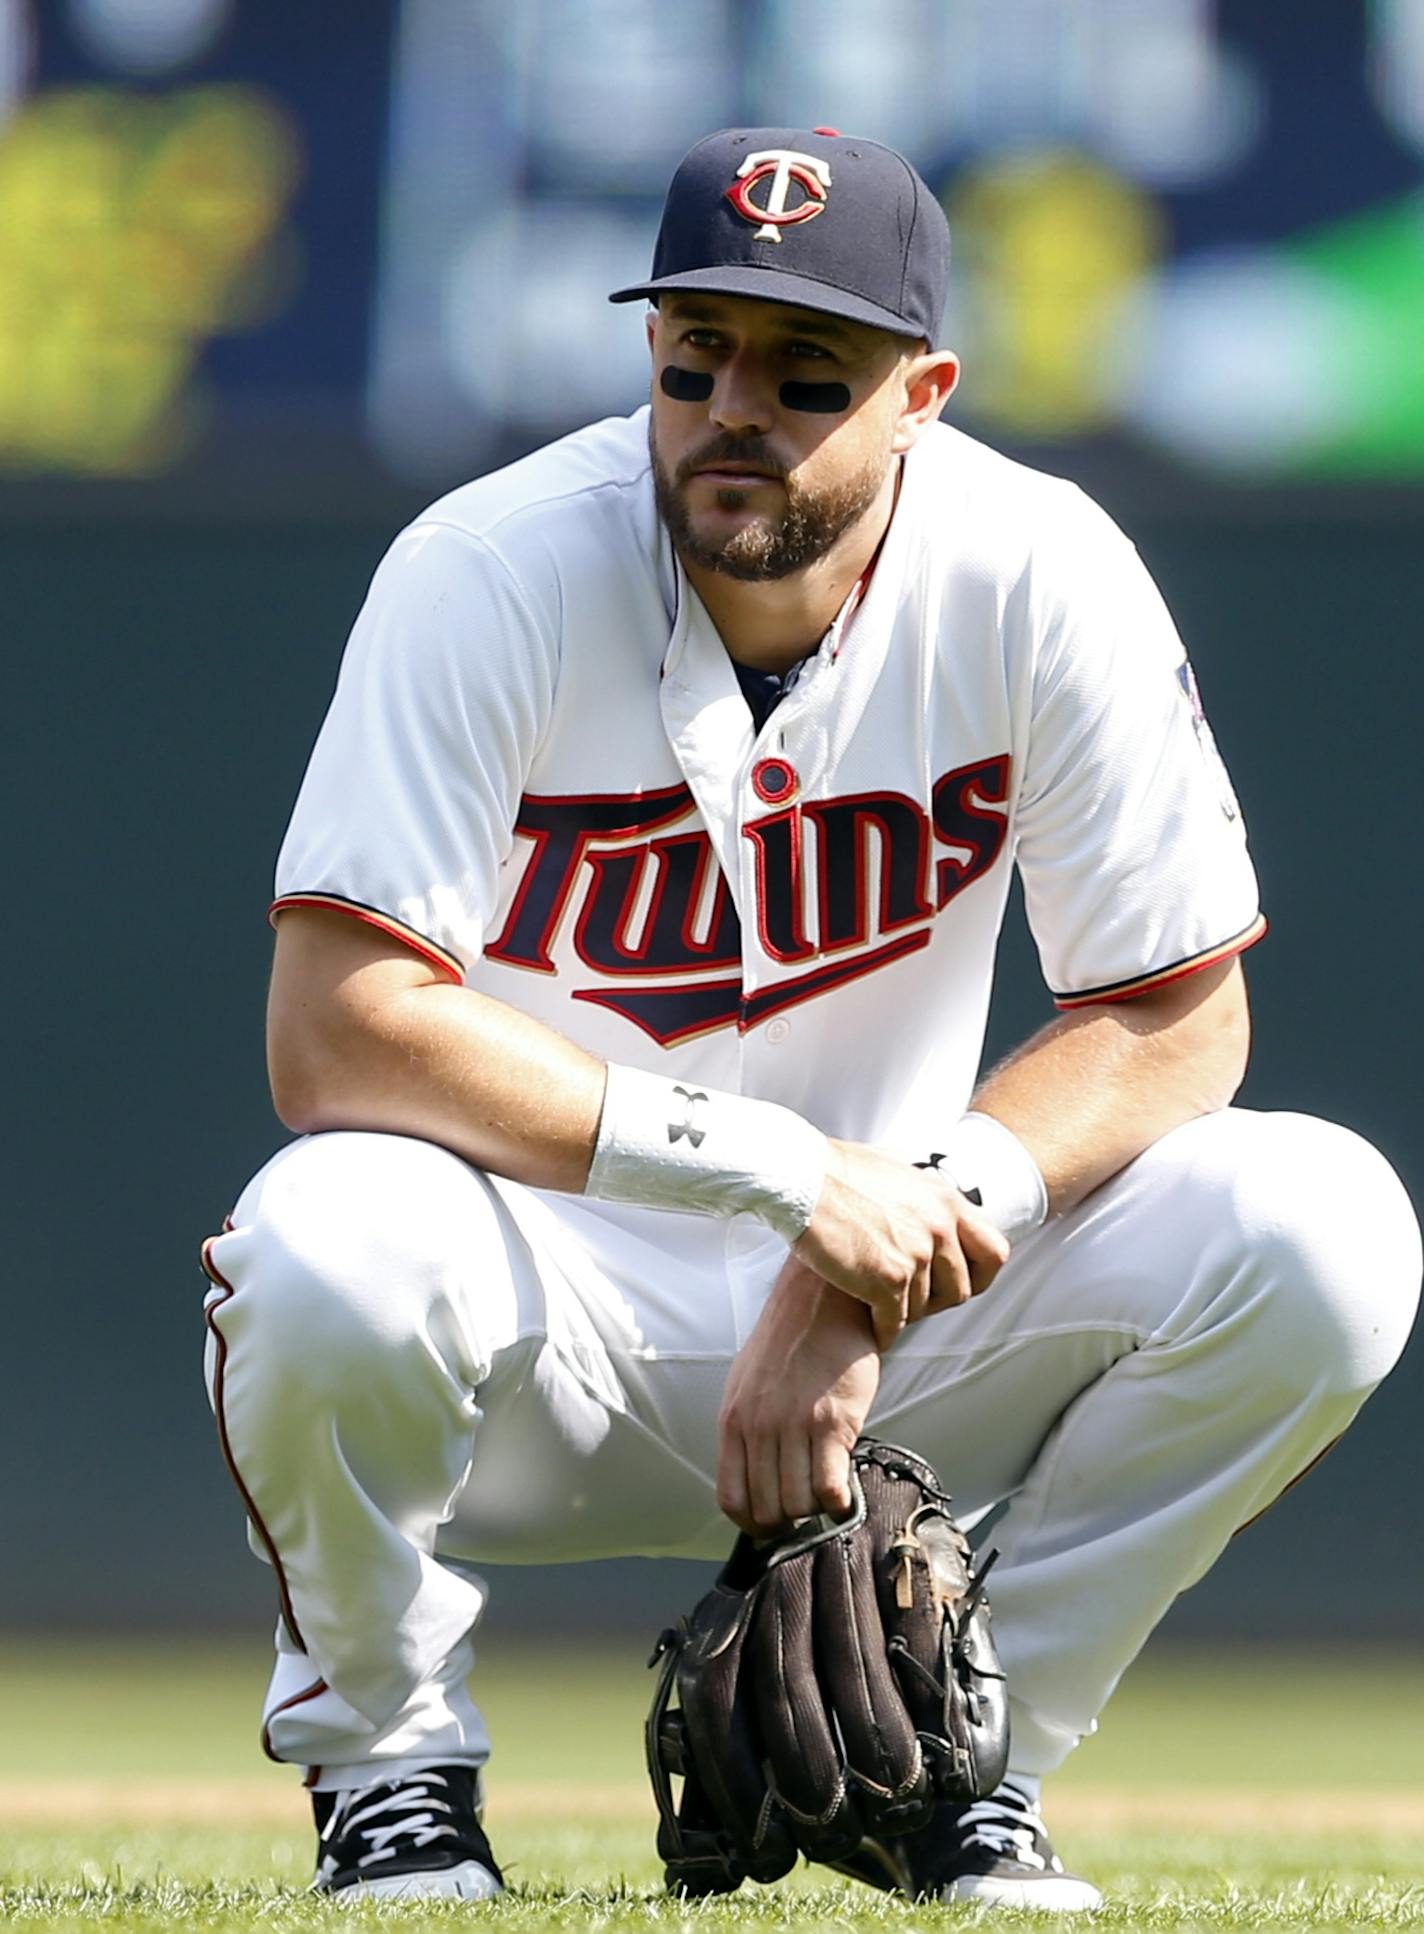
<point x="651" y="321"/>
<point x="930" y="381"/>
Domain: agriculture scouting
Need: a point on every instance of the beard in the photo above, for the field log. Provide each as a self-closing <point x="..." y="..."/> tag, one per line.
<point x="769" y="547"/>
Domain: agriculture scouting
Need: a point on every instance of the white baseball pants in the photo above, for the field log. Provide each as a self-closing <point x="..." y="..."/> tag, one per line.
<point x="416" y="1366"/>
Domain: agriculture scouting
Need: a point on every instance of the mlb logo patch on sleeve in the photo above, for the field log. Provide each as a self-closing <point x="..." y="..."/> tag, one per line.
<point x="1187" y="679"/>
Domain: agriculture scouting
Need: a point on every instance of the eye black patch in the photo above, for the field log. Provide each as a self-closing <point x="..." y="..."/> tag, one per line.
<point x="685" y="385"/>
<point x="819" y="399"/>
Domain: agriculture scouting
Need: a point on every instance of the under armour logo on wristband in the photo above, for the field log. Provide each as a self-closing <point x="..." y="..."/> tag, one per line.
<point x="970" y="1195"/>
<point x="688" y="1125"/>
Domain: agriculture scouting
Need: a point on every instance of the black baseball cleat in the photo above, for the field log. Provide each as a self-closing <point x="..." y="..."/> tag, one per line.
<point x="417" y="1838"/>
<point x="996" y="1851"/>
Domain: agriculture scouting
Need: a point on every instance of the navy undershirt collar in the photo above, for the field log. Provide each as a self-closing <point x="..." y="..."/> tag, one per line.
<point x="763" y="691"/>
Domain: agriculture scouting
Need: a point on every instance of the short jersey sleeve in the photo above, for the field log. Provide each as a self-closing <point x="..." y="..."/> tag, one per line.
<point x="1130" y="841"/>
<point x="408" y="804"/>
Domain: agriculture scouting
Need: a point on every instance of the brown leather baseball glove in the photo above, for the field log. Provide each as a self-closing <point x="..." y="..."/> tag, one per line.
<point x="835" y="1683"/>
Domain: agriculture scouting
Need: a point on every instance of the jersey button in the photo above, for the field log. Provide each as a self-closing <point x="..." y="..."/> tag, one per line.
<point x="777" y="1031"/>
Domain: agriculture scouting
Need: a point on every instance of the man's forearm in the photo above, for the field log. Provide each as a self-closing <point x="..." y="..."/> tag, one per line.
<point x="363" y="1035"/>
<point x="1098" y="1085"/>
<point x="360" y="1035"/>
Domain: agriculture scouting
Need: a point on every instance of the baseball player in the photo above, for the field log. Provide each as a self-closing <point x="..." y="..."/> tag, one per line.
<point x="635" y="930"/>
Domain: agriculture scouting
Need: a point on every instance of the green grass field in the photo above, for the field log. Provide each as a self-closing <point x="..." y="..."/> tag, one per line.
<point x="1265" y="1791"/>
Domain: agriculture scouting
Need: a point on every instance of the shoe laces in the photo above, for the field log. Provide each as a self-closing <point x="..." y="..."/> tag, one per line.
<point x="1006" y="1825"/>
<point x="397" y="1818"/>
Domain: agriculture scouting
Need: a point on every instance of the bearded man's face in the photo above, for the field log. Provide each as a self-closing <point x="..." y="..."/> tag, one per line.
<point x="745" y="485"/>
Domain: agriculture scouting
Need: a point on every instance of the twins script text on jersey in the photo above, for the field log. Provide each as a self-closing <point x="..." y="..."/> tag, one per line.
<point x="805" y="909"/>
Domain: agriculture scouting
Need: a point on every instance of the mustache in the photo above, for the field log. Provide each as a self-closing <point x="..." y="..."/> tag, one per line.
<point x="731" y="449"/>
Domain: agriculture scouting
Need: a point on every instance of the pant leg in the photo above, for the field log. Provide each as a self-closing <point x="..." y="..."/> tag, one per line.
<point x="1149" y="1373"/>
<point x="1145" y="1375"/>
<point x="406" y="1376"/>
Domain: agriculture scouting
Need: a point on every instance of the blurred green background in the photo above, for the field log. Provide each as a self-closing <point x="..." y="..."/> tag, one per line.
<point x="133" y="1712"/>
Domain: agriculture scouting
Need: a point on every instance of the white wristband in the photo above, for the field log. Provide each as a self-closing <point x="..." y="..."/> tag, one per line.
<point x="673" y="1145"/>
<point x="988" y="1161"/>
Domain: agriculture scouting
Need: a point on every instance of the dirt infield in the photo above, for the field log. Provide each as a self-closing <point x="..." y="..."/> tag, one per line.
<point x="1247" y="1809"/>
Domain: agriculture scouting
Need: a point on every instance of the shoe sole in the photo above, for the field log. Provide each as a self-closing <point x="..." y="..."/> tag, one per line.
<point x="468" y="1882"/>
<point x="1054" y="1894"/>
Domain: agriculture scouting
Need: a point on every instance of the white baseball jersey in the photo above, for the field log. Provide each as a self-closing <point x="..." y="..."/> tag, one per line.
<point x="539" y="771"/>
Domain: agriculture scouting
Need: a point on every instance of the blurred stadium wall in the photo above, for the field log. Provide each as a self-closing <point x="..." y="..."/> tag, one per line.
<point x="264" y="290"/>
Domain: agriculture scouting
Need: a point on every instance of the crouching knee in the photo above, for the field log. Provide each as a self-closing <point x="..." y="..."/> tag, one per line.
<point x="349" y="1247"/>
<point x="1330" y="1253"/>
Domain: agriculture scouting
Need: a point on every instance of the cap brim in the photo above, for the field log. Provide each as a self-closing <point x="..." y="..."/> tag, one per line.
<point x="775" y="285"/>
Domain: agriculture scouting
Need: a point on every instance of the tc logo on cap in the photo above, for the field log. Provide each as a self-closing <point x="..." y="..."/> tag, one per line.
<point x="780" y="166"/>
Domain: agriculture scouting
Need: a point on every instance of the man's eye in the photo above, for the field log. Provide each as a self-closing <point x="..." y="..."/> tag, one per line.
<point x="808" y="349"/>
<point x="701" y="338"/>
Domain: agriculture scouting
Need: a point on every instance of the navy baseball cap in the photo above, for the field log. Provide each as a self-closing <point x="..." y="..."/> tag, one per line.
<point x="807" y="216"/>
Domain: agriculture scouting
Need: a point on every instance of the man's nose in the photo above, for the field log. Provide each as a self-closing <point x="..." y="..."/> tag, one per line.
<point x="743" y="398"/>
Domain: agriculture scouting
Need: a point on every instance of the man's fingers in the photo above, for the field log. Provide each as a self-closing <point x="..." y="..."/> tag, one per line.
<point x="830" y="1475"/>
<point x="982" y="1242"/>
<point x="981" y="1274"/>
<point x="764" y="1482"/>
<point x="968" y="1265"/>
<point x="877" y="1219"/>
<point x="798" y="1497"/>
<point x="921" y="1292"/>
<point x="888" y="1319"/>
<point x="951" y="1279"/>
<point x="986" y="1249"/>
<point x="732" y="1495"/>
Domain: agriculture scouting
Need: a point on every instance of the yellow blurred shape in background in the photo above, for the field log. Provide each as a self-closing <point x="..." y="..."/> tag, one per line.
<point x="132" y="227"/>
<point x="1055" y="246"/>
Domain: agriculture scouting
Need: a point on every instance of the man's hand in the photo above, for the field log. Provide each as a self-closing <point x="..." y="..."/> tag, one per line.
<point x="901" y="1240"/>
<point x="796" y="1400"/>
